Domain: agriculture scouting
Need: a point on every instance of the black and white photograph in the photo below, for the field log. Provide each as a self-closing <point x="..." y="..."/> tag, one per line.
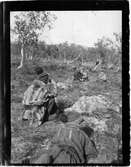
<point x="66" y="87"/>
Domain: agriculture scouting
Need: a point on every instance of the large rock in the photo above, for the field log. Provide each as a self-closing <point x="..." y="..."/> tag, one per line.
<point x="104" y="118"/>
<point x="88" y="104"/>
<point x="104" y="124"/>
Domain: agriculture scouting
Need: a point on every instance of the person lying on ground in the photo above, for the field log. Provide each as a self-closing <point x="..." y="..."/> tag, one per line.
<point x="70" y="145"/>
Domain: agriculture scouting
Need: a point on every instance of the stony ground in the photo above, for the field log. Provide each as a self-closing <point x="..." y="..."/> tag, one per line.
<point x="25" y="142"/>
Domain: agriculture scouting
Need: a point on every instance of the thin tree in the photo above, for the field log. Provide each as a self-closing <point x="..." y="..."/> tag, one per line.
<point x="28" y="27"/>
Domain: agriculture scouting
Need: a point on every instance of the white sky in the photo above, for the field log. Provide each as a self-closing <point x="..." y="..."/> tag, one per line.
<point x="82" y="27"/>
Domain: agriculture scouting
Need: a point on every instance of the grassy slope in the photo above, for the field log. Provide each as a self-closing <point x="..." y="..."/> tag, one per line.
<point x="21" y="79"/>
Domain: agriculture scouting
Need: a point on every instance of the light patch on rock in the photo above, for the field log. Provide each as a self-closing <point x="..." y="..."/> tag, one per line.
<point x="88" y="104"/>
<point x="98" y="125"/>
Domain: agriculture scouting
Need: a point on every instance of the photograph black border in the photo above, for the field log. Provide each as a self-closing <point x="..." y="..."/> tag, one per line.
<point x="5" y="66"/>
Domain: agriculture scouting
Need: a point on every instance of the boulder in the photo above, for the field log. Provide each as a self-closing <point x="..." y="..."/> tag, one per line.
<point x="105" y="119"/>
<point x="88" y="104"/>
<point x="104" y="128"/>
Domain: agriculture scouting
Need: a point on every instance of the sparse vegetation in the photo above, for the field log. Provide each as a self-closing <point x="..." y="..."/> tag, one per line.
<point x="28" y="27"/>
<point x="60" y="61"/>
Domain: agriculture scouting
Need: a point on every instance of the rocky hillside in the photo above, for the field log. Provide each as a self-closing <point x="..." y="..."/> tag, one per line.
<point x="97" y="101"/>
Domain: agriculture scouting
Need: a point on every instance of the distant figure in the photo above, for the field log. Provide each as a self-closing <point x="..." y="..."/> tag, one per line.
<point x="97" y="62"/>
<point x="80" y="74"/>
<point x="40" y="96"/>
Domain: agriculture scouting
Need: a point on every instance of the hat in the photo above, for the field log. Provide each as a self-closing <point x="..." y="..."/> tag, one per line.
<point x="44" y="77"/>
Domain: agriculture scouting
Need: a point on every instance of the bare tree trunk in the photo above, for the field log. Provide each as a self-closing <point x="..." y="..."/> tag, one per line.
<point x="59" y="53"/>
<point x="26" y="56"/>
<point x="31" y="54"/>
<point x="64" y="57"/>
<point x="22" y="58"/>
<point x="82" y="62"/>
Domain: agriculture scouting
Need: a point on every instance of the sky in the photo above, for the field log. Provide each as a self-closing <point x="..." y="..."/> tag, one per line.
<point x="81" y="27"/>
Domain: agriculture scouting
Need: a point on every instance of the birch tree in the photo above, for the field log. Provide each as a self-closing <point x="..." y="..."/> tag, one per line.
<point x="28" y="27"/>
